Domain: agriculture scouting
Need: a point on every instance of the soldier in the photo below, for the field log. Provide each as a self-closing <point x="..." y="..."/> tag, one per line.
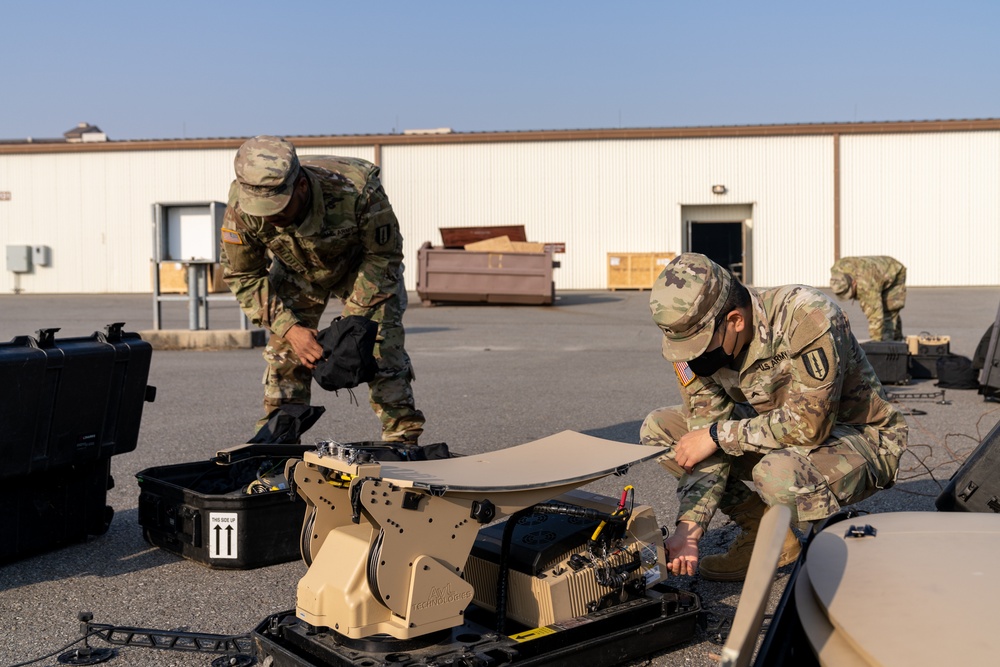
<point x="777" y="392"/>
<point x="879" y="285"/>
<point x="329" y="229"/>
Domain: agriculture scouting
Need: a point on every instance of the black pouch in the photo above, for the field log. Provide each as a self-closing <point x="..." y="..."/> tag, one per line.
<point x="956" y="372"/>
<point x="348" y="353"/>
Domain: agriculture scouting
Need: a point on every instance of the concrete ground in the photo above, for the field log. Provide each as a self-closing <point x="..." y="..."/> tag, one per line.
<point x="488" y="377"/>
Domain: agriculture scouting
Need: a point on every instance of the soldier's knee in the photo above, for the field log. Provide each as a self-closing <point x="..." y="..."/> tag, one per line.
<point x="786" y="477"/>
<point x="287" y="385"/>
<point x="663" y="427"/>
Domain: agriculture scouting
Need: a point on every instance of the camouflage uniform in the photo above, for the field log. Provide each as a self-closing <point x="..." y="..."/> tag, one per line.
<point x="880" y="288"/>
<point x="348" y="246"/>
<point x="804" y="418"/>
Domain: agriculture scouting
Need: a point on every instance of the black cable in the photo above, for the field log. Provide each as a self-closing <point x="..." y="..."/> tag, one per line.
<point x="503" y="572"/>
<point x="57" y="651"/>
<point x="573" y="510"/>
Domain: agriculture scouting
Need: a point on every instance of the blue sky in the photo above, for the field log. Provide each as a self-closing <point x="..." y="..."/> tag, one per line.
<point x="232" y="69"/>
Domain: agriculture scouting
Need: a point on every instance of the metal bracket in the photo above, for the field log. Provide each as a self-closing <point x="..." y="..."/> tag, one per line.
<point x="175" y="640"/>
<point x="861" y="531"/>
<point x="895" y="395"/>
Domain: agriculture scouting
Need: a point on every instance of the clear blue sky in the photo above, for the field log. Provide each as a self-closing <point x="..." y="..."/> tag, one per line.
<point x="156" y="70"/>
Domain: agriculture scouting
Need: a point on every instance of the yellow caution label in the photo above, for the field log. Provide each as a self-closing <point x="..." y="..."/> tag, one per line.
<point x="534" y="633"/>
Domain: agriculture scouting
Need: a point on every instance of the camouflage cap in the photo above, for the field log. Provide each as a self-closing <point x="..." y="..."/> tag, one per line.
<point x="686" y="298"/>
<point x="266" y="169"/>
<point x="840" y="283"/>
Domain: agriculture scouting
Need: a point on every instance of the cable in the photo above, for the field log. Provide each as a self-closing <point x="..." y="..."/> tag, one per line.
<point x="922" y="469"/>
<point x="57" y="651"/>
<point x="503" y="573"/>
<point x="627" y="492"/>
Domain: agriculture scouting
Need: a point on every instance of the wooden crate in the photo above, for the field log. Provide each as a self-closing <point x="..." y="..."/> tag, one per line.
<point x="174" y="275"/>
<point x="635" y="270"/>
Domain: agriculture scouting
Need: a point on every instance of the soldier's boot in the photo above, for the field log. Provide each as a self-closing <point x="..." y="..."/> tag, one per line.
<point x="733" y="565"/>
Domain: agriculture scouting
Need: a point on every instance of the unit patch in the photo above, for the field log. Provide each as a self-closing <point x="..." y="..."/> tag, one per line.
<point x="231" y="236"/>
<point x="684" y="374"/>
<point x="816" y="364"/>
<point x="382" y="234"/>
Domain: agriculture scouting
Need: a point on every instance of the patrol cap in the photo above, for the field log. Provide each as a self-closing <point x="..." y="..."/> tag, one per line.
<point x="686" y="298"/>
<point x="840" y="283"/>
<point x="266" y="169"/>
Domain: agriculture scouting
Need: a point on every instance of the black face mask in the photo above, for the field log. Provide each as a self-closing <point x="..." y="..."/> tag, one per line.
<point x="711" y="361"/>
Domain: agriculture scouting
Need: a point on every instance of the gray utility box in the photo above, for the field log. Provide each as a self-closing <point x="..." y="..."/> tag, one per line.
<point x="484" y="277"/>
<point x="19" y="258"/>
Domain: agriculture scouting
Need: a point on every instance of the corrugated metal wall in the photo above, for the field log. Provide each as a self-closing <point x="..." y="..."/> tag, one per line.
<point x="622" y="196"/>
<point x="929" y="199"/>
<point x="94" y="210"/>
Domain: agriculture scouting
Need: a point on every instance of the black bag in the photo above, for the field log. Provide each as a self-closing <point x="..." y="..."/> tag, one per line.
<point x="956" y="372"/>
<point x="348" y="353"/>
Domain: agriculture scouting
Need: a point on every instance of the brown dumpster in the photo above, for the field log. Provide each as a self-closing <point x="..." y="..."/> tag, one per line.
<point x="484" y="277"/>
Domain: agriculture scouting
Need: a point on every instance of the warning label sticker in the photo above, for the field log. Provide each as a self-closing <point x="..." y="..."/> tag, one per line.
<point x="534" y="633"/>
<point x="223" y="531"/>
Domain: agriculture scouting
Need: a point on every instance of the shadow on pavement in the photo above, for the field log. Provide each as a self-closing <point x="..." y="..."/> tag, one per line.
<point x="121" y="550"/>
<point x="623" y="432"/>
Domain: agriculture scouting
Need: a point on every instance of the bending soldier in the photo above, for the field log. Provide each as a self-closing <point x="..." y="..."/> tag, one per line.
<point x="879" y="285"/>
<point x="777" y="392"/>
<point x="296" y="234"/>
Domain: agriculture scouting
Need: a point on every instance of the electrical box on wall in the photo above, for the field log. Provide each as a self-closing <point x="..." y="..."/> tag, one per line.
<point x="19" y="258"/>
<point x="41" y="255"/>
<point x="188" y="232"/>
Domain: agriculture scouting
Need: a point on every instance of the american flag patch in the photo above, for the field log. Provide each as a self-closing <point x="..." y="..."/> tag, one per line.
<point x="230" y="236"/>
<point x="684" y="374"/>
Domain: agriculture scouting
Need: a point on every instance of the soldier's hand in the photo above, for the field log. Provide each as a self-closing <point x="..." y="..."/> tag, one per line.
<point x="682" y="549"/>
<point x="304" y="344"/>
<point x="693" y="448"/>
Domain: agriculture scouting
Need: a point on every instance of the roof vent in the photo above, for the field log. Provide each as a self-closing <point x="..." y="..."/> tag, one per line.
<point x="85" y="132"/>
<point x="437" y="130"/>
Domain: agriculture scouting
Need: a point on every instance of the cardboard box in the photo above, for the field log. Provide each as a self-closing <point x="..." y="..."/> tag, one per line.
<point x="174" y="277"/>
<point x="528" y="246"/>
<point x="504" y="244"/>
<point x="497" y="244"/>
<point x="459" y="237"/>
<point x="635" y="270"/>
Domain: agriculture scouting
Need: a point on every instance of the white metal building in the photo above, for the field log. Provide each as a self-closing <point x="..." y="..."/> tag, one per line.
<point x="783" y="200"/>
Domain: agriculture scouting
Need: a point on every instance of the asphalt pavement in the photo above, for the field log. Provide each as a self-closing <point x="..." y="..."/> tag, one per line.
<point x="488" y="377"/>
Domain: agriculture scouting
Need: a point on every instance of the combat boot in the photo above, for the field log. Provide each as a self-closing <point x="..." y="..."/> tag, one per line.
<point x="732" y="565"/>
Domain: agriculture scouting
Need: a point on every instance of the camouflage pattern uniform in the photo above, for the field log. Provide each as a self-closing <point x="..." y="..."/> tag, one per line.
<point x="880" y="288"/>
<point x="349" y="246"/>
<point x="804" y="418"/>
